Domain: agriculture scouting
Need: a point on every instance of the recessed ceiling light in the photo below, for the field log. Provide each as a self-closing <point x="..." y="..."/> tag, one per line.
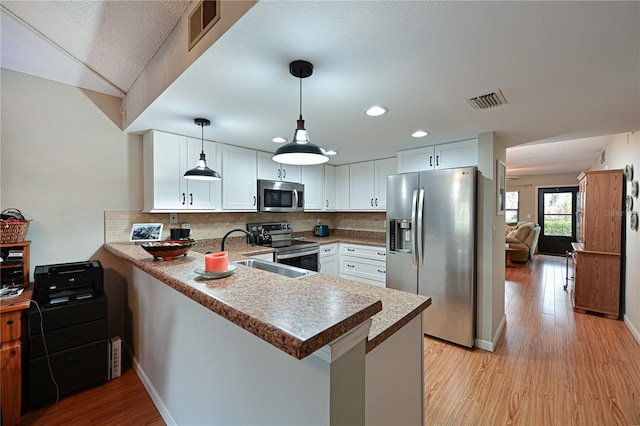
<point x="376" y="111"/>
<point x="279" y="139"/>
<point x="331" y="152"/>
<point x="419" y="134"/>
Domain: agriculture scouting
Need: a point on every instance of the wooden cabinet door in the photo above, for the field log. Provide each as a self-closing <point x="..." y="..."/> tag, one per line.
<point x="597" y="283"/>
<point x="603" y="211"/>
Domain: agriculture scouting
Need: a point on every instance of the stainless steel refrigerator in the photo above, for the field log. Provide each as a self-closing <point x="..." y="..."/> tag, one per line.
<point x="431" y="247"/>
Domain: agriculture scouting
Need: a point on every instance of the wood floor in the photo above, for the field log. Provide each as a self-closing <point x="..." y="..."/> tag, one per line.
<point x="551" y="367"/>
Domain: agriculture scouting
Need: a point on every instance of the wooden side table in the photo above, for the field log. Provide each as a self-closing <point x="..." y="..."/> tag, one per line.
<point x="11" y="310"/>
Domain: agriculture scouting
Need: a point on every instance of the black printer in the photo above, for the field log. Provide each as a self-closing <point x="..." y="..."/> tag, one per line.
<point x="68" y="282"/>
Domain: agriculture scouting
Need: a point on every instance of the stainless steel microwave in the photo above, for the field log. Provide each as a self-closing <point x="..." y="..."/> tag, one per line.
<point x="278" y="196"/>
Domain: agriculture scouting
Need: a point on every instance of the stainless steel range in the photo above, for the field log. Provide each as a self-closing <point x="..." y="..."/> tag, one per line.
<point x="302" y="254"/>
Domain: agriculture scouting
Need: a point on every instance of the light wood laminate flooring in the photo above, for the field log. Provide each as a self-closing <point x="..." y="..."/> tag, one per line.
<point x="551" y="367"/>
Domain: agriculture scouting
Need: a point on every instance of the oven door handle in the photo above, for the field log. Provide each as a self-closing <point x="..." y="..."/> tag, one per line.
<point x="297" y="254"/>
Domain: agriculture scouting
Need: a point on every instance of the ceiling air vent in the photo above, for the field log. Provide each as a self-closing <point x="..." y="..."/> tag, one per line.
<point x="490" y="100"/>
<point x="202" y="19"/>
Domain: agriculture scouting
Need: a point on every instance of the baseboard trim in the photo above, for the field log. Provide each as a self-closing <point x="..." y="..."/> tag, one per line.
<point x="491" y="345"/>
<point x="634" y="331"/>
<point x="157" y="401"/>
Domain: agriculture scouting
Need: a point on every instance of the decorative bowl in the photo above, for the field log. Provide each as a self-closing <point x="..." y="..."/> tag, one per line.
<point x="168" y="249"/>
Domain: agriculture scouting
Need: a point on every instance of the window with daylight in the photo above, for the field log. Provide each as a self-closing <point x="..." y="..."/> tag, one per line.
<point x="512" y="207"/>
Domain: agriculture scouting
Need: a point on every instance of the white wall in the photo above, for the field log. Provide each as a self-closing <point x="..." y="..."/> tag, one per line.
<point x="622" y="150"/>
<point x="528" y="186"/>
<point x="63" y="163"/>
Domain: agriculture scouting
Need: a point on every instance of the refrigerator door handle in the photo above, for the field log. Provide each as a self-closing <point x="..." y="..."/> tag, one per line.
<point x="414" y="244"/>
<point x="419" y="232"/>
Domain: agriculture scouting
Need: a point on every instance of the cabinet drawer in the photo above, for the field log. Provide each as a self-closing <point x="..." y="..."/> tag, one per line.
<point x="67" y="315"/>
<point x="10" y="327"/>
<point x="365" y="268"/>
<point x="73" y="369"/>
<point x="328" y="250"/>
<point x="367" y="252"/>
<point x="68" y="337"/>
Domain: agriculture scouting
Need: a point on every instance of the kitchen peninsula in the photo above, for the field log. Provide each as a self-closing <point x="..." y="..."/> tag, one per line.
<point x="260" y="348"/>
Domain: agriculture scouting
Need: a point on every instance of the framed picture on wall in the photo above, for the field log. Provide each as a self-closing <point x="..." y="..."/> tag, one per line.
<point x="501" y="186"/>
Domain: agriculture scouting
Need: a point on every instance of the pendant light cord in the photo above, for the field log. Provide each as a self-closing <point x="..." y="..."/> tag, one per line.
<point x="300" y="99"/>
<point x="202" y="136"/>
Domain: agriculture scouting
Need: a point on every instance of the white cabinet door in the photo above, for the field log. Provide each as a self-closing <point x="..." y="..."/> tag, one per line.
<point x="166" y="157"/>
<point x="269" y="169"/>
<point x="414" y="160"/>
<point x="329" y="188"/>
<point x="457" y="154"/>
<point x="368" y="187"/>
<point x="239" y="181"/>
<point x="342" y="187"/>
<point x="329" y="259"/>
<point x="383" y="168"/>
<point x="313" y="181"/>
<point x="202" y="194"/>
<point x="362" y="185"/>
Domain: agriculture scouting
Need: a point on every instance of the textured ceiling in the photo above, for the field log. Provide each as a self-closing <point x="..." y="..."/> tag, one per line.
<point x="569" y="71"/>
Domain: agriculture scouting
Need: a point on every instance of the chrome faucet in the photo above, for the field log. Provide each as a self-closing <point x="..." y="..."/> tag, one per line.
<point x="251" y="239"/>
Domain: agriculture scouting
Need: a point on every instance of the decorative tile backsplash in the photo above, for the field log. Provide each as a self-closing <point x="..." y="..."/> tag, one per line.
<point x="117" y="224"/>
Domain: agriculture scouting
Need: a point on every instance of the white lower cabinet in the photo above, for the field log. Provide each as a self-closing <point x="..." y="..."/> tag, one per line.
<point x="366" y="264"/>
<point x="329" y="259"/>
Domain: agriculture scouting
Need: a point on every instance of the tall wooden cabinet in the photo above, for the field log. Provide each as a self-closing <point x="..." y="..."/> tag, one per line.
<point x="598" y="253"/>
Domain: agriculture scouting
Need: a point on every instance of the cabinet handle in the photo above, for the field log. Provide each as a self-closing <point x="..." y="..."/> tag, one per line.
<point x="284" y="173"/>
<point x="382" y="254"/>
<point x="327" y="203"/>
<point x="382" y="271"/>
<point x="372" y="202"/>
<point x="350" y="266"/>
<point x="279" y="173"/>
<point x="10" y="322"/>
<point x="191" y="198"/>
<point x="254" y="200"/>
<point x="351" y="249"/>
<point x="437" y="160"/>
<point x="376" y="202"/>
<point x="431" y="160"/>
<point x="184" y="198"/>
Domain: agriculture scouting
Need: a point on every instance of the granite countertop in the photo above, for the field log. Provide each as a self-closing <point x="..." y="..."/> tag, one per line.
<point x="297" y="316"/>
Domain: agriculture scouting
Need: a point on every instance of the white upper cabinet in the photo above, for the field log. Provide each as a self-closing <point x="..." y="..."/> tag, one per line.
<point x="368" y="184"/>
<point x="329" y="188"/>
<point x="342" y="187"/>
<point x="269" y="169"/>
<point x="444" y="156"/>
<point x="166" y="157"/>
<point x="313" y="181"/>
<point x="239" y="181"/>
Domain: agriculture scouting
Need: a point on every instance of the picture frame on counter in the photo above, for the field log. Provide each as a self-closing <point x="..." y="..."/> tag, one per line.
<point x="145" y="232"/>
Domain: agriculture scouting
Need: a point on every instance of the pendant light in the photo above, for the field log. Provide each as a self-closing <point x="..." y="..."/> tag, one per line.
<point x="300" y="151"/>
<point x="201" y="171"/>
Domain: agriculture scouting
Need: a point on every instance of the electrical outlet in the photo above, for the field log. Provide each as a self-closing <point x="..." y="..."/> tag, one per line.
<point x="173" y="218"/>
<point x="317" y="221"/>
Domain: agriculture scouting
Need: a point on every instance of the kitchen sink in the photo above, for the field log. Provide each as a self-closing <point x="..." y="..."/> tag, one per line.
<point x="276" y="268"/>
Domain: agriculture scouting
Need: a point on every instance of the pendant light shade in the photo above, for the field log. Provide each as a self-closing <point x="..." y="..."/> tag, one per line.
<point x="300" y="151"/>
<point x="201" y="171"/>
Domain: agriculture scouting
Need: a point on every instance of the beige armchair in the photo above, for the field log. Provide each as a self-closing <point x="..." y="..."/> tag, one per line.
<point x="524" y="236"/>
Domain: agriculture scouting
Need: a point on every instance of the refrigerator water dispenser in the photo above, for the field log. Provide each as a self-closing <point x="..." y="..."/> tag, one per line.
<point x="400" y="235"/>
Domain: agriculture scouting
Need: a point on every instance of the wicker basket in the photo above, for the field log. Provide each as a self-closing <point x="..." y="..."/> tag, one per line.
<point x="13" y="231"/>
